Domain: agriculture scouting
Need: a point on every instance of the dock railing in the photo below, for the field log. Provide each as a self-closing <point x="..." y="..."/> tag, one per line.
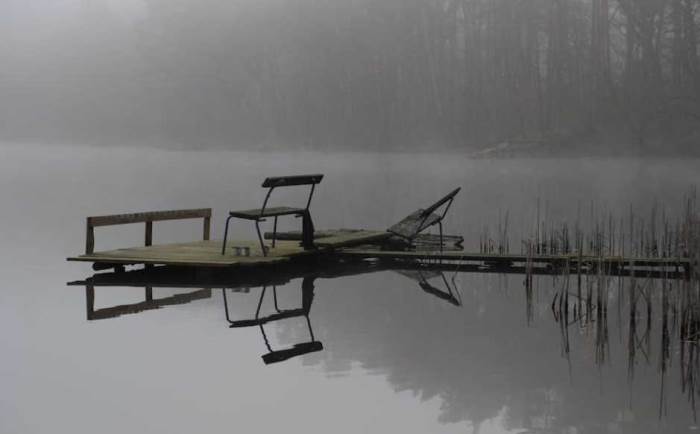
<point x="148" y="218"/>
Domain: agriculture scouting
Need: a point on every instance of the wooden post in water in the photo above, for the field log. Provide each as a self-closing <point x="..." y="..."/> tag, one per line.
<point x="207" y="227"/>
<point x="148" y="239"/>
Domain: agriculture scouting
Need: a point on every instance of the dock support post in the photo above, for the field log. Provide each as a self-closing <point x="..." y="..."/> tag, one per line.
<point x="148" y="238"/>
<point x="89" y="237"/>
<point x="148" y="241"/>
<point x="206" y="228"/>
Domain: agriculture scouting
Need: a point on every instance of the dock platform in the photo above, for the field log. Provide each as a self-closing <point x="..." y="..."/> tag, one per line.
<point x="339" y="245"/>
<point x="205" y="252"/>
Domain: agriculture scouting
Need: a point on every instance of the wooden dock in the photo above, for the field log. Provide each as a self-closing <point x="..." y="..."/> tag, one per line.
<point x="342" y="245"/>
<point x="205" y="252"/>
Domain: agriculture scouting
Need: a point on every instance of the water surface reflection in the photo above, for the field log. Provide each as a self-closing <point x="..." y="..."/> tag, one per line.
<point x="615" y="354"/>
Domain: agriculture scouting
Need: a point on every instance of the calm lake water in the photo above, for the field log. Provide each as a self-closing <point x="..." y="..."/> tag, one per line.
<point x="395" y="358"/>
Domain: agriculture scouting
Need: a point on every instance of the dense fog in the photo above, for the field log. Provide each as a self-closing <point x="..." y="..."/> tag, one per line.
<point x="356" y="74"/>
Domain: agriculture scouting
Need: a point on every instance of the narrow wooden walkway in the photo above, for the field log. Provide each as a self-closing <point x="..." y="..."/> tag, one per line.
<point x="516" y="259"/>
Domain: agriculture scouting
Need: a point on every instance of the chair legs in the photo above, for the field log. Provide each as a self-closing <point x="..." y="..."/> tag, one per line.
<point x="257" y="229"/>
<point x="307" y="231"/>
<point x="260" y="238"/>
<point x="223" y="248"/>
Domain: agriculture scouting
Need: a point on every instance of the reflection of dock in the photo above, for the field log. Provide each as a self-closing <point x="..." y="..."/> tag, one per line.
<point x="243" y="281"/>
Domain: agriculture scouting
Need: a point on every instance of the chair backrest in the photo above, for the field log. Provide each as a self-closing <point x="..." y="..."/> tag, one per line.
<point x="449" y="197"/>
<point x="288" y="181"/>
<point x="422" y="219"/>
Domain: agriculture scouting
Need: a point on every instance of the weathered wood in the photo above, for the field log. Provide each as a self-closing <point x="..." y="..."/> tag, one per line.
<point x="152" y="216"/>
<point x="207" y="228"/>
<point x="415" y="223"/>
<point x="285" y="181"/>
<point x="144" y="217"/>
<point x="421" y="241"/>
<point x="318" y="234"/>
<point x="89" y="238"/>
<point x="351" y="239"/>
<point x="205" y="253"/>
<point x="257" y="214"/>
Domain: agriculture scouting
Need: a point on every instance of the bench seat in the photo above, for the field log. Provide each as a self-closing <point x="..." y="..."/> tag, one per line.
<point x="255" y="214"/>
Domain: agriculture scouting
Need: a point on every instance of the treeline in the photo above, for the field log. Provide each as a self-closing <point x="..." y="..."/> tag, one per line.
<point x="375" y="74"/>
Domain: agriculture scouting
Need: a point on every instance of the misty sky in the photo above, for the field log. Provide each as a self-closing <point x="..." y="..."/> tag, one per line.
<point x="364" y="74"/>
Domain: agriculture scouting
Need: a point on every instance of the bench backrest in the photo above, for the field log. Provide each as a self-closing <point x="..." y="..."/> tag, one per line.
<point x="145" y="217"/>
<point x="288" y="181"/>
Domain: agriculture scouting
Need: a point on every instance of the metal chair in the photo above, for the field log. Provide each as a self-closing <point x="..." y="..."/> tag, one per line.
<point x="259" y="215"/>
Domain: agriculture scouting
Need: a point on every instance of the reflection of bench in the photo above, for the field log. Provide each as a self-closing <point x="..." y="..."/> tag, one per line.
<point x="259" y="215"/>
<point x="149" y="303"/>
<point x="417" y="222"/>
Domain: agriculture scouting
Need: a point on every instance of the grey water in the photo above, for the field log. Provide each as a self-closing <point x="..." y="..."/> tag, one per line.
<point x="395" y="358"/>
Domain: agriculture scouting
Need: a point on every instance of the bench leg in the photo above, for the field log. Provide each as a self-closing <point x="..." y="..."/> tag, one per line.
<point x="260" y="238"/>
<point x="223" y="248"/>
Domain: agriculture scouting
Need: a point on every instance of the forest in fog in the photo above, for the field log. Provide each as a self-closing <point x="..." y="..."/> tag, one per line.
<point x="353" y="74"/>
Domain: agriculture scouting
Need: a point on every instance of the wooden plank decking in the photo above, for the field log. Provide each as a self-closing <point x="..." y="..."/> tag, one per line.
<point x="203" y="253"/>
<point x="207" y="253"/>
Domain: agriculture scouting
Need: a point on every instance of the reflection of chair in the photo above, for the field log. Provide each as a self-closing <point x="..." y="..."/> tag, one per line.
<point x="448" y="296"/>
<point x="307" y="295"/>
<point x="417" y="222"/>
<point x="422" y="277"/>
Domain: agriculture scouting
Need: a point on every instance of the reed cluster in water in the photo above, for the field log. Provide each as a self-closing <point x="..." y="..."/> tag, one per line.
<point x="653" y="234"/>
<point x="651" y="313"/>
<point x="651" y="306"/>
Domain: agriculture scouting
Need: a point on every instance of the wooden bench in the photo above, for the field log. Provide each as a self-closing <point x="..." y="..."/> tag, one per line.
<point x="259" y="215"/>
<point x="143" y="217"/>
